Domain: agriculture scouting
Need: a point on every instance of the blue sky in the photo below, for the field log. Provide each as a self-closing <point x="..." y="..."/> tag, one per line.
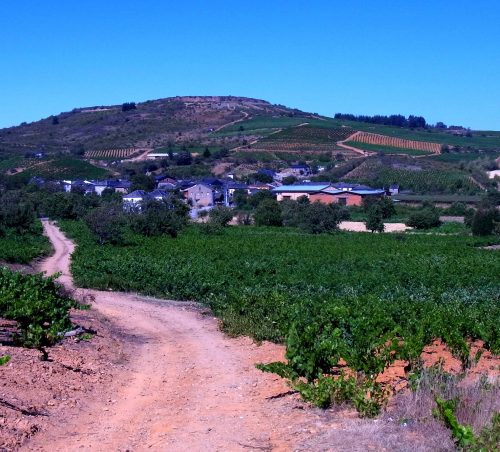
<point x="439" y="59"/>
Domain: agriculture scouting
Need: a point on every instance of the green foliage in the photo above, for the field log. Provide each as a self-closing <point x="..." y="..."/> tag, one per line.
<point x="374" y="219"/>
<point x="23" y="248"/>
<point x="16" y="212"/>
<point x="484" y="221"/>
<point x="107" y="223"/>
<point x="315" y="218"/>
<point x="220" y="216"/>
<point x="268" y="213"/>
<point x="4" y="359"/>
<point x="142" y="182"/>
<point x="365" y="298"/>
<point x="424" y="219"/>
<point x="159" y="217"/>
<point x="489" y="437"/>
<point x="462" y="434"/>
<point x="37" y="305"/>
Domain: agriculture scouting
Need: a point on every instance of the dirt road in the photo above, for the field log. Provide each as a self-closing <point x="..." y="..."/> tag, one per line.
<point x="185" y="386"/>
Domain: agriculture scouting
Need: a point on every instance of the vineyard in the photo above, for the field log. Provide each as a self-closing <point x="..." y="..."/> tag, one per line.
<point x="22" y="249"/>
<point x="415" y="178"/>
<point x="386" y="141"/>
<point x="377" y="148"/>
<point x="367" y="299"/>
<point x="124" y="153"/>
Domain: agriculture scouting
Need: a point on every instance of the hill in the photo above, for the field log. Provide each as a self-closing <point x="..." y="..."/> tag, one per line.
<point x="199" y="136"/>
<point x="148" y="124"/>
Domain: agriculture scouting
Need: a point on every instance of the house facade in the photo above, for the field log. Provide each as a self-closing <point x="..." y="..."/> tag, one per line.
<point x="343" y="194"/>
<point x="199" y="195"/>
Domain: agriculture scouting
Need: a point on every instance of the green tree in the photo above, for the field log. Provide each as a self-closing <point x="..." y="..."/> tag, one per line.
<point x="424" y="219"/>
<point x="374" y="219"/>
<point x="220" y="216"/>
<point x="264" y="178"/>
<point x="107" y="223"/>
<point x="289" y="180"/>
<point x="206" y="153"/>
<point x="268" y="213"/>
<point x="142" y="182"/>
<point x="484" y="221"/>
<point x="160" y="217"/>
<point x="318" y="218"/>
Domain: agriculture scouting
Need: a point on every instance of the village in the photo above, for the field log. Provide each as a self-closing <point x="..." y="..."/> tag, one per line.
<point x="208" y="192"/>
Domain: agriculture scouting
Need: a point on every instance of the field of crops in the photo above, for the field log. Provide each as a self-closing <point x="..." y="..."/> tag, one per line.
<point x="66" y="167"/>
<point x="328" y="297"/>
<point x="305" y="139"/>
<point x="124" y="153"/>
<point x="22" y="249"/>
<point x="417" y="179"/>
<point x="386" y="149"/>
<point x="383" y="141"/>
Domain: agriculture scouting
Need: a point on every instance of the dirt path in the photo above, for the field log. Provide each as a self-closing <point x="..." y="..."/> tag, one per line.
<point x="232" y="122"/>
<point x="352" y="137"/>
<point x="185" y="387"/>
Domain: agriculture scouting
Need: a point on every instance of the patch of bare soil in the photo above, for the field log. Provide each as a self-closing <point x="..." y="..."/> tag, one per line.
<point x="36" y="394"/>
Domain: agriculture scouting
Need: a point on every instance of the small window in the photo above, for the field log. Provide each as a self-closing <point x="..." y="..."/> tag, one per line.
<point x="343" y="201"/>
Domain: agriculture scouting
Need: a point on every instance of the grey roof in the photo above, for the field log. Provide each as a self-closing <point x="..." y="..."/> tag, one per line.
<point x="302" y="188"/>
<point x="136" y="194"/>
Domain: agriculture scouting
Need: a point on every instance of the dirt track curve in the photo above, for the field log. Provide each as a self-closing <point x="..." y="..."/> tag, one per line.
<point x="185" y="385"/>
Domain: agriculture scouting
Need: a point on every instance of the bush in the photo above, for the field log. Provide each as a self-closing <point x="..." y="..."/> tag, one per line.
<point x="107" y="223"/>
<point x="484" y="221"/>
<point x="374" y="220"/>
<point x="424" y="219"/>
<point x="268" y="213"/>
<point x="220" y="216"/>
<point x="37" y="305"/>
<point x="160" y="217"/>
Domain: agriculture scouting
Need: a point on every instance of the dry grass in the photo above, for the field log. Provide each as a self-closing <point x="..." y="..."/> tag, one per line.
<point x="477" y="401"/>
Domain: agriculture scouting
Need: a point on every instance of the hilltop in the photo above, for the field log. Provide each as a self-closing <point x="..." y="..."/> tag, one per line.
<point x="148" y="124"/>
<point x="215" y="135"/>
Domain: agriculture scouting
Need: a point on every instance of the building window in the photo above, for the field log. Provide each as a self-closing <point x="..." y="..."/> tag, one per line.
<point x="343" y="201"/>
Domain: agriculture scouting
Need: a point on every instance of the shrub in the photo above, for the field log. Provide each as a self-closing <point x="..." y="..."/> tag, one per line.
<point x="374" y="220"/>
<point x="268" y="213"/>
<point x="107" y="223"/>
<point x="483" y="221"/>
<point x="160" y="217"/>
<point x="424" y="219"/>
<point x="220" y="215"/>
<point x="37" y="305"/>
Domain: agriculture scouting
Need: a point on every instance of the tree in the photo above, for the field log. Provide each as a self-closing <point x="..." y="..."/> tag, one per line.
<point x="484" y="221"/>
<point x="424" y="219"/>
<point x="206" y="153"/>
<point x="289" y="180"/>
<point x="160" y="217"/>
<point x="127" y="106"/>
<point x="318" y="218"/>
<point x="264" y="178"/>
<point x="374" y="219"/>
<point x="220" y="216"/>
<point x="16" y="212"/>
<point x="184" y="158"/>
<point x="107" y="223"/>
<point x="142" y="182"/>
<point x="268" y="213"/>
<point x="55" y="120"/>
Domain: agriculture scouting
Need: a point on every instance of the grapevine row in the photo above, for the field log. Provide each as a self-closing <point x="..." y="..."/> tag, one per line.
<point x="383" y="140"/>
